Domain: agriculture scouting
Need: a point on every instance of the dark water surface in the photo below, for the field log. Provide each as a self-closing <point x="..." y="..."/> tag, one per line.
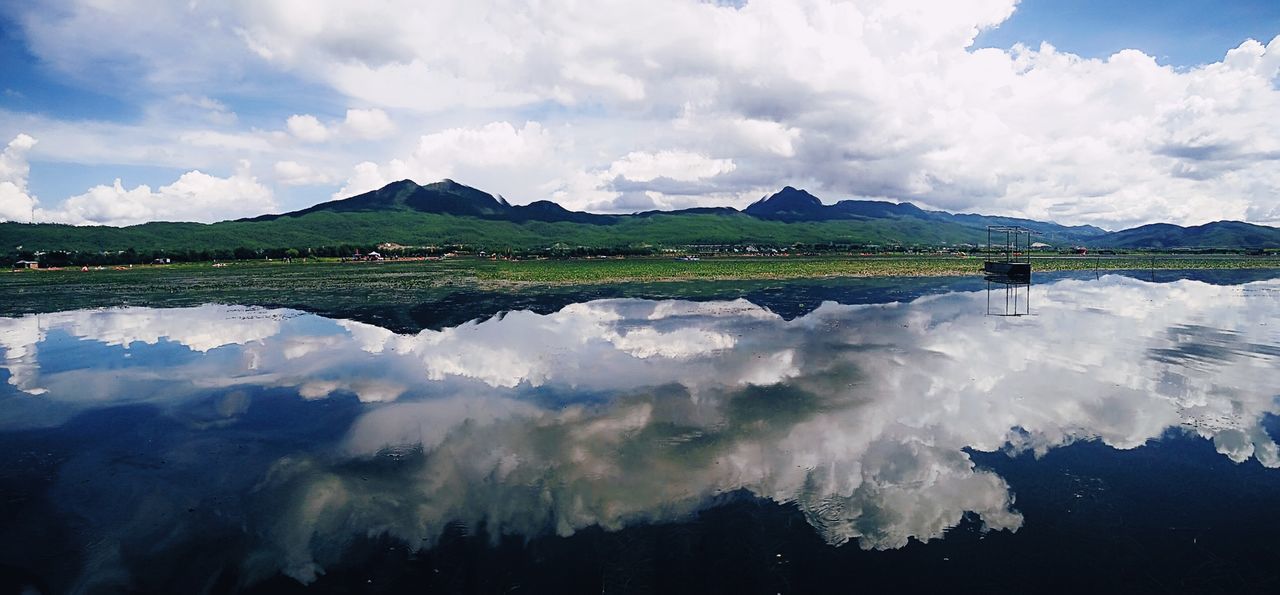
<point x="806" y="437"/>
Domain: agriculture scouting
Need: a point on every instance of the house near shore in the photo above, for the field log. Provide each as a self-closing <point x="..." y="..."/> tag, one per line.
<point x="27" y="264"/>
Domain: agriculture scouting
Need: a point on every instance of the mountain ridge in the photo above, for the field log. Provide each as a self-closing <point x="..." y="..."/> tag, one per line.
<point x="788" y="205"/>
<point x="447" y="212"/>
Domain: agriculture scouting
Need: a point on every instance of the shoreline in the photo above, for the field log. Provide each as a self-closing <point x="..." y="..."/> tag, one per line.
<point x="409" y="296"/>
<point x="504" y="274"/>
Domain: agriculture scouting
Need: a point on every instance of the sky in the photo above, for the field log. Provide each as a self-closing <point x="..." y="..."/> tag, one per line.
<point x="119" y="112"/>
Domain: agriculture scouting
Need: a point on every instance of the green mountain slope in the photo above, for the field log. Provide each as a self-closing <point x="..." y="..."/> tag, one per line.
<point x="417" y="229"/>
<point x="791" y="204"/>
<point x="1218" y="234"/>
<point x="448" y="213"/>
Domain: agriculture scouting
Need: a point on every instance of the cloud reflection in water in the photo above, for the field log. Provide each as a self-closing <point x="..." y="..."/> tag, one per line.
<point x="622" y="411"/>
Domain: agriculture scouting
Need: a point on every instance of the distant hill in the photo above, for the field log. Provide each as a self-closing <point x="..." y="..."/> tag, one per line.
<point x="791" y="204"/>
<point x="445" y="197"/>
<point x="1210" y="235"/>
<point x="449" y="213"/>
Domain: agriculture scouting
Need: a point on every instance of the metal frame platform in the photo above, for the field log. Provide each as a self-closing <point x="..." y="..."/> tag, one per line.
<point x="1014" y="260"/>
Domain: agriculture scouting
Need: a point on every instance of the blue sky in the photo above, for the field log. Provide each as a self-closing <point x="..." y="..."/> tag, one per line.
<point x="1179" y="33"/>
<point x="232" y="110"/>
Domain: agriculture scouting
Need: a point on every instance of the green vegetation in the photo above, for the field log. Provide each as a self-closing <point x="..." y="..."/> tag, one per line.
<point x="328" y="233"/>
<point x="408" y="296"/>
<point x="371" y="278"/>
<point x="449" y="217"/>
<point x="558" y="272"/>
<point x="409" y="228"/>
<point x="1218" y="233"/>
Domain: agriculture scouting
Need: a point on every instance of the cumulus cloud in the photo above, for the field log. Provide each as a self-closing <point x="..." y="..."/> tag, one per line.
<point x="674" y="165"/>
<point x="643" y="180"/>
<point x="16" y="203"/>
<point x="194" y="196"/>
<point x="19" y="338"/>
<point x="865" y="98"/>
<point x="457" y="152"/>
<point x="360" y="124"/>
<point x="911" y="114"/>
<point x="292" y="173"/>
<point x="307" y="128"/>
<point x="860" y="415"/>
<point x="368" y="123"/>
<point x="199" y="329"/>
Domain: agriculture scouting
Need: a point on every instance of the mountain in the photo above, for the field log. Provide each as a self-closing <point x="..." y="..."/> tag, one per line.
<point x="449" y="213"/>
<point x="790" y="204"/>
<point x="1048" y="229"/>
<point x="1210" y="235"/>
<point x="545" y="210"/>
<point x="444" y="197"/>
<point x="878" y="209"/>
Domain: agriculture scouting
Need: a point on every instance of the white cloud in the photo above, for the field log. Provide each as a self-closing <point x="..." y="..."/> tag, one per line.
<point x="194" y="196"/>
<point x="867" y="98"/>
<point x="367" y="176"/>
<point x="208" y="108"/>
<point x="362" y="124"/>
<point x="201" y="328"/>
<point x="19" y="338"/>
<point x="16" y="203"/>
<point x="496" y="144"/>
<point x="493" y="149"/>
<point x="645" y="180"/>
<point x="292" y="173"/>
<point x="368" y="123"/>
<point x="675" y="165"/>
<point x="767" y="136"/>
<point x="307" y="128"/>
<point x="862" y="415"/>
<point x="232" y="143"/>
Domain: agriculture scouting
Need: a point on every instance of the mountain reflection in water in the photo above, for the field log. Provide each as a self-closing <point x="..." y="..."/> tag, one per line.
<point x="285" y="436"/>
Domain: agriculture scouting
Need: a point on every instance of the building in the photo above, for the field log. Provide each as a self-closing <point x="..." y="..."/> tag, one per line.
<point x="26" y="264"/>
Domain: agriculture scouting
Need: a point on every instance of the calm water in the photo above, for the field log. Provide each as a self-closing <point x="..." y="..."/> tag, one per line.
<point x="1120" y="436"/>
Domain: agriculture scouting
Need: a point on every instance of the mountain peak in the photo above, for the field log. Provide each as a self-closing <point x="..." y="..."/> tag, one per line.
<point x="791" y="196"/>
<point x="790" y="202"/>
<point x="399" y="187"/>
<point x="445" y="184"/>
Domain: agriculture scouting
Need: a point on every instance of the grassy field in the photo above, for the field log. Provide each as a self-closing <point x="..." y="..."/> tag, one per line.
<point x="417" y="294"/>
<point x="492" y="274"/>
<point x="723" y="269"/>
<point x="496" y="274"/>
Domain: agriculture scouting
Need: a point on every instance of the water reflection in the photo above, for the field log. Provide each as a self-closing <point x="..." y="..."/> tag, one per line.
<point x="1008" y="296"/>
<point x="290" y="435"/>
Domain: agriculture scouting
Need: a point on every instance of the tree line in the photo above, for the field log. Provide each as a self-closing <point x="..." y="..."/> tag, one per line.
<point x="59" y="258"/>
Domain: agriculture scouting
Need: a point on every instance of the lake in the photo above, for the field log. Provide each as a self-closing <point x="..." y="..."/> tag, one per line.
<point x="1103" y="432"/>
